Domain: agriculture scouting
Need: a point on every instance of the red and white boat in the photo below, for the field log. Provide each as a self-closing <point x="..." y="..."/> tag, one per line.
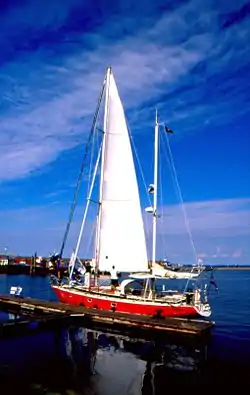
<point x="120" y="300"/>
<point x="120" y="237"/>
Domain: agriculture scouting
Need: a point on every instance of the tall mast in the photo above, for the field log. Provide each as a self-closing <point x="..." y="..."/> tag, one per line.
<point x="106" y="109"/>
<point x="155" y="186"/>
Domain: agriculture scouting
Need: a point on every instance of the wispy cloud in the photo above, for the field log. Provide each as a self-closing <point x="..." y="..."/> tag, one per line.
<point x="212" y="223"/>
<point x="224" y="222"/>
<point x="189" y="58"/>
<point x="41" y="229"/>
<point x="230" y="217"/>
<point x="50" y="85"/>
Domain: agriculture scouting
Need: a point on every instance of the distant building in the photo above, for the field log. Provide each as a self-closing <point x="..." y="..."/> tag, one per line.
<point x="4" y="260"/>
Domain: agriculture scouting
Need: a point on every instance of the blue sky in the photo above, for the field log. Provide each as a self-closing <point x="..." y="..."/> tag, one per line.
<point x="191" y="59"/>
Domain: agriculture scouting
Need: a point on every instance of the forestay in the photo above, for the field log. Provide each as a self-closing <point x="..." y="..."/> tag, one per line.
<point x="121" y="233"/>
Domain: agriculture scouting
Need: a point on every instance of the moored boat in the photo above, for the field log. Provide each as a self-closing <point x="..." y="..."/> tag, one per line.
<point x="120" y="237"/>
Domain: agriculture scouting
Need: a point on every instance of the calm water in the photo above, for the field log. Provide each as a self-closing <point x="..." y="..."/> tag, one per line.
<point x="81" y="361"/>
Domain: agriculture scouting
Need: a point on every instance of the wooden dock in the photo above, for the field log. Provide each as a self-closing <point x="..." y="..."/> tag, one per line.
<point x="54" y="315"/>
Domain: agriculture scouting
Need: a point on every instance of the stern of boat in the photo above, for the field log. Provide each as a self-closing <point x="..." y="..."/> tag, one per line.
<point x="203" y="310"/>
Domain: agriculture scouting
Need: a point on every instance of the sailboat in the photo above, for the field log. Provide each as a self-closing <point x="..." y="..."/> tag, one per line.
<point x="120" y="240"/>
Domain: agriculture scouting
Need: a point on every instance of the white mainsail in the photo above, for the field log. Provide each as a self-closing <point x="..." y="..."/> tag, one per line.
<point x="121" y="236"/>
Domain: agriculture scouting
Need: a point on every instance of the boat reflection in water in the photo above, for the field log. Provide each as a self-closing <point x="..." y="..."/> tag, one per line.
<point x="104" y="364"/>
<point x="142" y="367"/>
<point x="87" y="362"/>
<point x="90" y="362"/>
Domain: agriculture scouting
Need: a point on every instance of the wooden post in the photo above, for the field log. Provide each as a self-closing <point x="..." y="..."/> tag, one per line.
<point x="58" y="267"/>
<point x="31" y="266"/>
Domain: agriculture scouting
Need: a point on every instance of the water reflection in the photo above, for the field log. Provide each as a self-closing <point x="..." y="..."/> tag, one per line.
<point x="93" y="363"/>
<point x="90" y="362"/>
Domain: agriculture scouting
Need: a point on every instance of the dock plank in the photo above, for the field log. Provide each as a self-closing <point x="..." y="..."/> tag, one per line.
<point x="93" y="318"/>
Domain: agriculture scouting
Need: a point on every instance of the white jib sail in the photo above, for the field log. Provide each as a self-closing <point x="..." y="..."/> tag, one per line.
<point x="121" y="231"/>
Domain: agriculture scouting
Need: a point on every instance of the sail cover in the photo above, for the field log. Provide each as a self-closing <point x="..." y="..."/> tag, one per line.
<point x="121" y="231"/>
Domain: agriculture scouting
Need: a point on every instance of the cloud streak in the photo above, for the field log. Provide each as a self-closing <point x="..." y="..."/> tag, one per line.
<point x="225" y="222"/>
<point x="212" y="223"/>
<point x="225" y="218"/>
<point x="50" y="89"/>
<point x="189" y="58"/>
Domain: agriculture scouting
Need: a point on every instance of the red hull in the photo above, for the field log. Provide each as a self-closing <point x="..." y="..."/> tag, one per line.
<point x="115" y="303"/>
